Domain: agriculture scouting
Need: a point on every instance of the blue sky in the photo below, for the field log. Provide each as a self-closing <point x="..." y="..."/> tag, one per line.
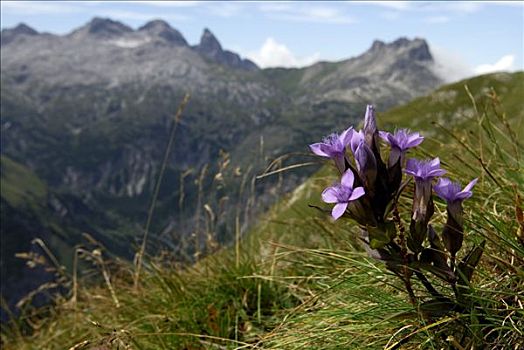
<point x="465" y="37"/>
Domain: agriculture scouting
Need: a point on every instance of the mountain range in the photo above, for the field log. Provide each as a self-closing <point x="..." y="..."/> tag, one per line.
<point x="86" y="117"/>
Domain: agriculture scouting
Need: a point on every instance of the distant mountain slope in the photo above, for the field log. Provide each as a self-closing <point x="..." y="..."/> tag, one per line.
<point x="451" y="106"/>
<point x="391" y="71"/>
<point x="89" y="114"/>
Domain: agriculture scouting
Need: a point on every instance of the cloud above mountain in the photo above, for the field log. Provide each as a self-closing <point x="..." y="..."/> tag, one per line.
<point x="275" y="54"/>
<point x="505" y="63"/>
<point x="451" y="66"/>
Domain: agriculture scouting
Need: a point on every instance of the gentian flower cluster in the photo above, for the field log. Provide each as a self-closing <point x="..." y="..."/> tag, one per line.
<point x="369" y="193"/>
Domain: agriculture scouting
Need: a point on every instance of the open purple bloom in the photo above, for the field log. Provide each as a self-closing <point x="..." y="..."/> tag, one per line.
<point x="334" y="146"/>
<point x="400" y="142"/>
<point x="424" y="171"/>
<point x="451" y="192"/>
<point x="342" y="194"/>
<point x="402" y="139"/>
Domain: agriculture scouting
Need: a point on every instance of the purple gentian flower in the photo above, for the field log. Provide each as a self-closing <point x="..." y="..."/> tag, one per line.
<point x="424" y="171"/>
<point x="451" y="192"/>
<point x="364" y="158"/>
<point x="453" y="233"/>
<point x="334" y="146"/>
<point x="356" y="138"/>
<point x="342" y="194"/>
<point x="400" y="142"/>
<point x="366" y="164"/>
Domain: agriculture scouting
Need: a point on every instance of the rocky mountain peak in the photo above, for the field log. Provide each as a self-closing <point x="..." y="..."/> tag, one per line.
<point x="400" y="42"/>
<point x="10" y="34"/>
<point x="417" y="49"/>
<point x="104" y="27"/>
<point x="210" y="48"/>
<point x="155" y="25"/>
<point x="23" y="28"/>
<point x="377" y="45"/>
<point x="208" y="42"/>
<point x="420" y="50"/>
<point x="162" y="29"/>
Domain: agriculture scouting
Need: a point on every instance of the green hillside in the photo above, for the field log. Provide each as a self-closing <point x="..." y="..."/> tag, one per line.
<point x="300" y="281"/>
<point x="452" y="104"/>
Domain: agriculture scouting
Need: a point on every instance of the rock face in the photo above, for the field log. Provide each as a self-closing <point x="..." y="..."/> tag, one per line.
<point x="90" y="114"/>
<point x="385" y="70"/>
<point x="89" y="111"/>
<point x="165" y="31"/>
<point x="21" y="30"/>
<point x="211" y="48"/>
<point x="104" y="28"/>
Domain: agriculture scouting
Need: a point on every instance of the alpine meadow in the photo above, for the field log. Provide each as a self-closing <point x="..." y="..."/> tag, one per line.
<point x="159" y="194"/>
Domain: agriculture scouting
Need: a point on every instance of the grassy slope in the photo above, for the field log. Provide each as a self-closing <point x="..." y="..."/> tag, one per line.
<point x="32" y="191"/>
<point x="298" y="280"/>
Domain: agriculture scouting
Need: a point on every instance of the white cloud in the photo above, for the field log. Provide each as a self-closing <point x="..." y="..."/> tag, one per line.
<point x="141" y="16"/>
<point x="505" y="63"/>
<point x="456" y="6"/>
<point x="429" y="6"/>
<point x="226" y="10"/>
<point x="507" y="3"/>
<point x="396" y="5"/>
<point x="275" y="54"/>
<point x="437" y="19"/>
<point x="453" y="67"/>
<point x="304" y="12"/>
<point x="167" y="3"/>
<point x="37" y="8"/>
<point x="390" y="15"/>
<point x="450" y="66"/>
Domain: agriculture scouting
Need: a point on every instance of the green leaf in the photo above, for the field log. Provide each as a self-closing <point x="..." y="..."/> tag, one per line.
<point x="467" y="266"/>
<point x="381" y="235"/>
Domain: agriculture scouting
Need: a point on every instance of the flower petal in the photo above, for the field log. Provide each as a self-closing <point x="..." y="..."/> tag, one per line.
<point x="414" y="140"/>
<point x="466" y="192"/>
<point x="442" y="189"/>
<point x="365" y="158"/>
<point x="317" y="149"/>
<point x="411" y="166"/>
<point x="356" y="139"/>
<point x="384" y="135"/>
<point x="357" y="193"/>
<point x="348" y="178"/>
<point x="470" y="185"/>
<point x="435" y="163"/>
<point x="339" y="210"/>
<point x="370" y="123"/>
<point x="329" y="195"/>
<point x="463" y="195"/>
<point x="345" y="137"/>
<point x="435" y="173"/>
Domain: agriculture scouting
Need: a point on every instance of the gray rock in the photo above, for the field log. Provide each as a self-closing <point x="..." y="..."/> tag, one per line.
<point x="210" y="47"/>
